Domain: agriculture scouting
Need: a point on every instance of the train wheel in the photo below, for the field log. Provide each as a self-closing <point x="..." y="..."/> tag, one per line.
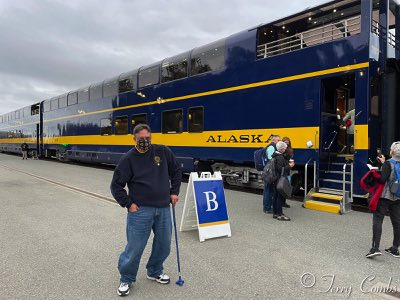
<point x="296" y="182"/>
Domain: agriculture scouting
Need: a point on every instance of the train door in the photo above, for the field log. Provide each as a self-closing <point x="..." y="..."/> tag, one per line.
<point x="37" y="139"/>
<point x="337" y="95"/>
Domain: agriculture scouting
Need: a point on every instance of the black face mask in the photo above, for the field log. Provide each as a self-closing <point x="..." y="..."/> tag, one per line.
<point x="143" y="144"/>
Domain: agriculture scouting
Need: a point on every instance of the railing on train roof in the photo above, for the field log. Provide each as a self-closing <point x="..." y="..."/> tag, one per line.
<point x="323" y="34"/>
<point x="378" y="30"/>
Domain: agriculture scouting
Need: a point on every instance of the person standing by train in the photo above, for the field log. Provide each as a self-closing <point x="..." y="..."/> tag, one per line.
<point x="387" y="203"/>
<point x="349" y="120"/>
<point x="289" y="156"/>
<point x="24" y="150"/>
<point x="153" y="176"/>
<point x="280" y="163"/>
<point x="268" y="192"/>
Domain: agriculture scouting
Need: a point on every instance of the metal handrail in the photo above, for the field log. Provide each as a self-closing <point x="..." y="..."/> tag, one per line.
<point x="343" y="202"/>
<point x="298" y="39"/>
<point x="351" y="184"/>
<point x="271" y="49"/>
<point x="330" y="144"/>
<point x="305" y="176"/>
<point x="377" y="29"/>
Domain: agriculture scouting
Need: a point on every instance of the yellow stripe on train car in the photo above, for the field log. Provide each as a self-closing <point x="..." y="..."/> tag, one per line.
<point x="245" y="138"/>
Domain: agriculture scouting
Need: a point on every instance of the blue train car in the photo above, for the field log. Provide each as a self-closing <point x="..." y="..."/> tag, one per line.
<point x="215" y="105"/>
<point x="22" y="125"/>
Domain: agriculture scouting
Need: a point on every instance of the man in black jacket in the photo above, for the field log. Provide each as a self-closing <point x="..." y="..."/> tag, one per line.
<point x="153" y="177"/>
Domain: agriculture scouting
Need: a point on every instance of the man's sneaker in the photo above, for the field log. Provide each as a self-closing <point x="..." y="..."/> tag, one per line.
<point x="267" y="211"/>
<point x="393" y="251"/>
<point x="163" y="278"/>
<point x="123" y="289"/>
<point x="373" y="252"/>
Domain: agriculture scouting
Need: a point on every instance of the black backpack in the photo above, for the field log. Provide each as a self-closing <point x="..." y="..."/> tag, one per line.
<point x="269" y="174"/>
<point x="260" y="158"/>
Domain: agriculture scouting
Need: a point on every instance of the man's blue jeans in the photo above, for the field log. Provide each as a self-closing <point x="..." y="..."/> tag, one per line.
<point x="267" y="197"/>
<point x="138" y="227"/>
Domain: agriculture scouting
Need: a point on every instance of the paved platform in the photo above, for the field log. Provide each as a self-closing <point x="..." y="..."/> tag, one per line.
<point x="56" y="243"/>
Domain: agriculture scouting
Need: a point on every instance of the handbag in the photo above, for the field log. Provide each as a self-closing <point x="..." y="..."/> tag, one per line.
<point x="283" y="186"/>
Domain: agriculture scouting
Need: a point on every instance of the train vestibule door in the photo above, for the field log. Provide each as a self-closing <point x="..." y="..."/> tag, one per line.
<point x="338" y="100"/>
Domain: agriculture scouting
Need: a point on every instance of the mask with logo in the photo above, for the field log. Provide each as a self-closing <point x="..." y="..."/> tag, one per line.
<point x="143" y="144"/>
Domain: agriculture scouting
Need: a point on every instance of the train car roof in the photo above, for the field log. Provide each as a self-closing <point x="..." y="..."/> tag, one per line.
<point x="308" y="12"/>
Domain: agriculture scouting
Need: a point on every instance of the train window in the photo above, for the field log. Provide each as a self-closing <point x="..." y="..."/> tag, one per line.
<point x="54" y="104"/>
<point x="149" y="76"/>
<point x="46" y="106"/>
<point x="105" y="127"/>
<point x="17" y="114"/>
<point x="83" y="95"/>
<point x="62" y="102"/>
<point x="172" y="121"/>
<point x="128" y="82"/>
<point x="72" y="98"/>
<point x="174" y="68"/>
<point x="138" y="119"/>
<point x="208" y="58"/>
<point x="196" y="119"/>
<point x="110" y="87"/>
<point x="121" y="125"/>
<point x="96" y="91"/>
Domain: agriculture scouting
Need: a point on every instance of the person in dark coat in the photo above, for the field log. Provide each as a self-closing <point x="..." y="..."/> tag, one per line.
<point x="289" y="156"/>
<point x="279" y="163"/>
<point x="387" y="203"/>
<point x="153" y="177"/>
<point x="289" y="150"/>
<point x="24" y="149"/>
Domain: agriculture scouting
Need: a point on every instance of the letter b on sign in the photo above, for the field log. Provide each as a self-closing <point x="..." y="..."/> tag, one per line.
<point x="210" y="201"/>
<point x="211" y="198"/>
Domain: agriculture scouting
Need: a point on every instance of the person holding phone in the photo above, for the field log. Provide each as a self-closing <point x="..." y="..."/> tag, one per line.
<point x="387" y="203"/>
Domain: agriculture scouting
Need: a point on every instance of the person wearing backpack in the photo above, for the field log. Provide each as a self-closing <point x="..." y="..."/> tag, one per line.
<point x="280" y="162"/>
<point x="389" y="201"/>
<point x="268" y="192"/>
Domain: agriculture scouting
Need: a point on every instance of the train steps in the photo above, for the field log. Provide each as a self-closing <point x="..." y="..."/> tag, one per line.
<point x="331" y="174"/>
<point x="327" y="200"/>
<point x="333" y="189"/>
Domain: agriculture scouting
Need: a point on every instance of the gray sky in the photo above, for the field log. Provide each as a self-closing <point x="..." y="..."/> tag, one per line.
<point x="49" y="47"/>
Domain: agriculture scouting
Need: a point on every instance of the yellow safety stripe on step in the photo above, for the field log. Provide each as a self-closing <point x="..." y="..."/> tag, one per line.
<point x="327" y="196"/>
<point x="321" y="206"/>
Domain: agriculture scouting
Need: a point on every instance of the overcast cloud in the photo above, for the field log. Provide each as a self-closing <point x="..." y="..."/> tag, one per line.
<point x="50" y="47"/>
